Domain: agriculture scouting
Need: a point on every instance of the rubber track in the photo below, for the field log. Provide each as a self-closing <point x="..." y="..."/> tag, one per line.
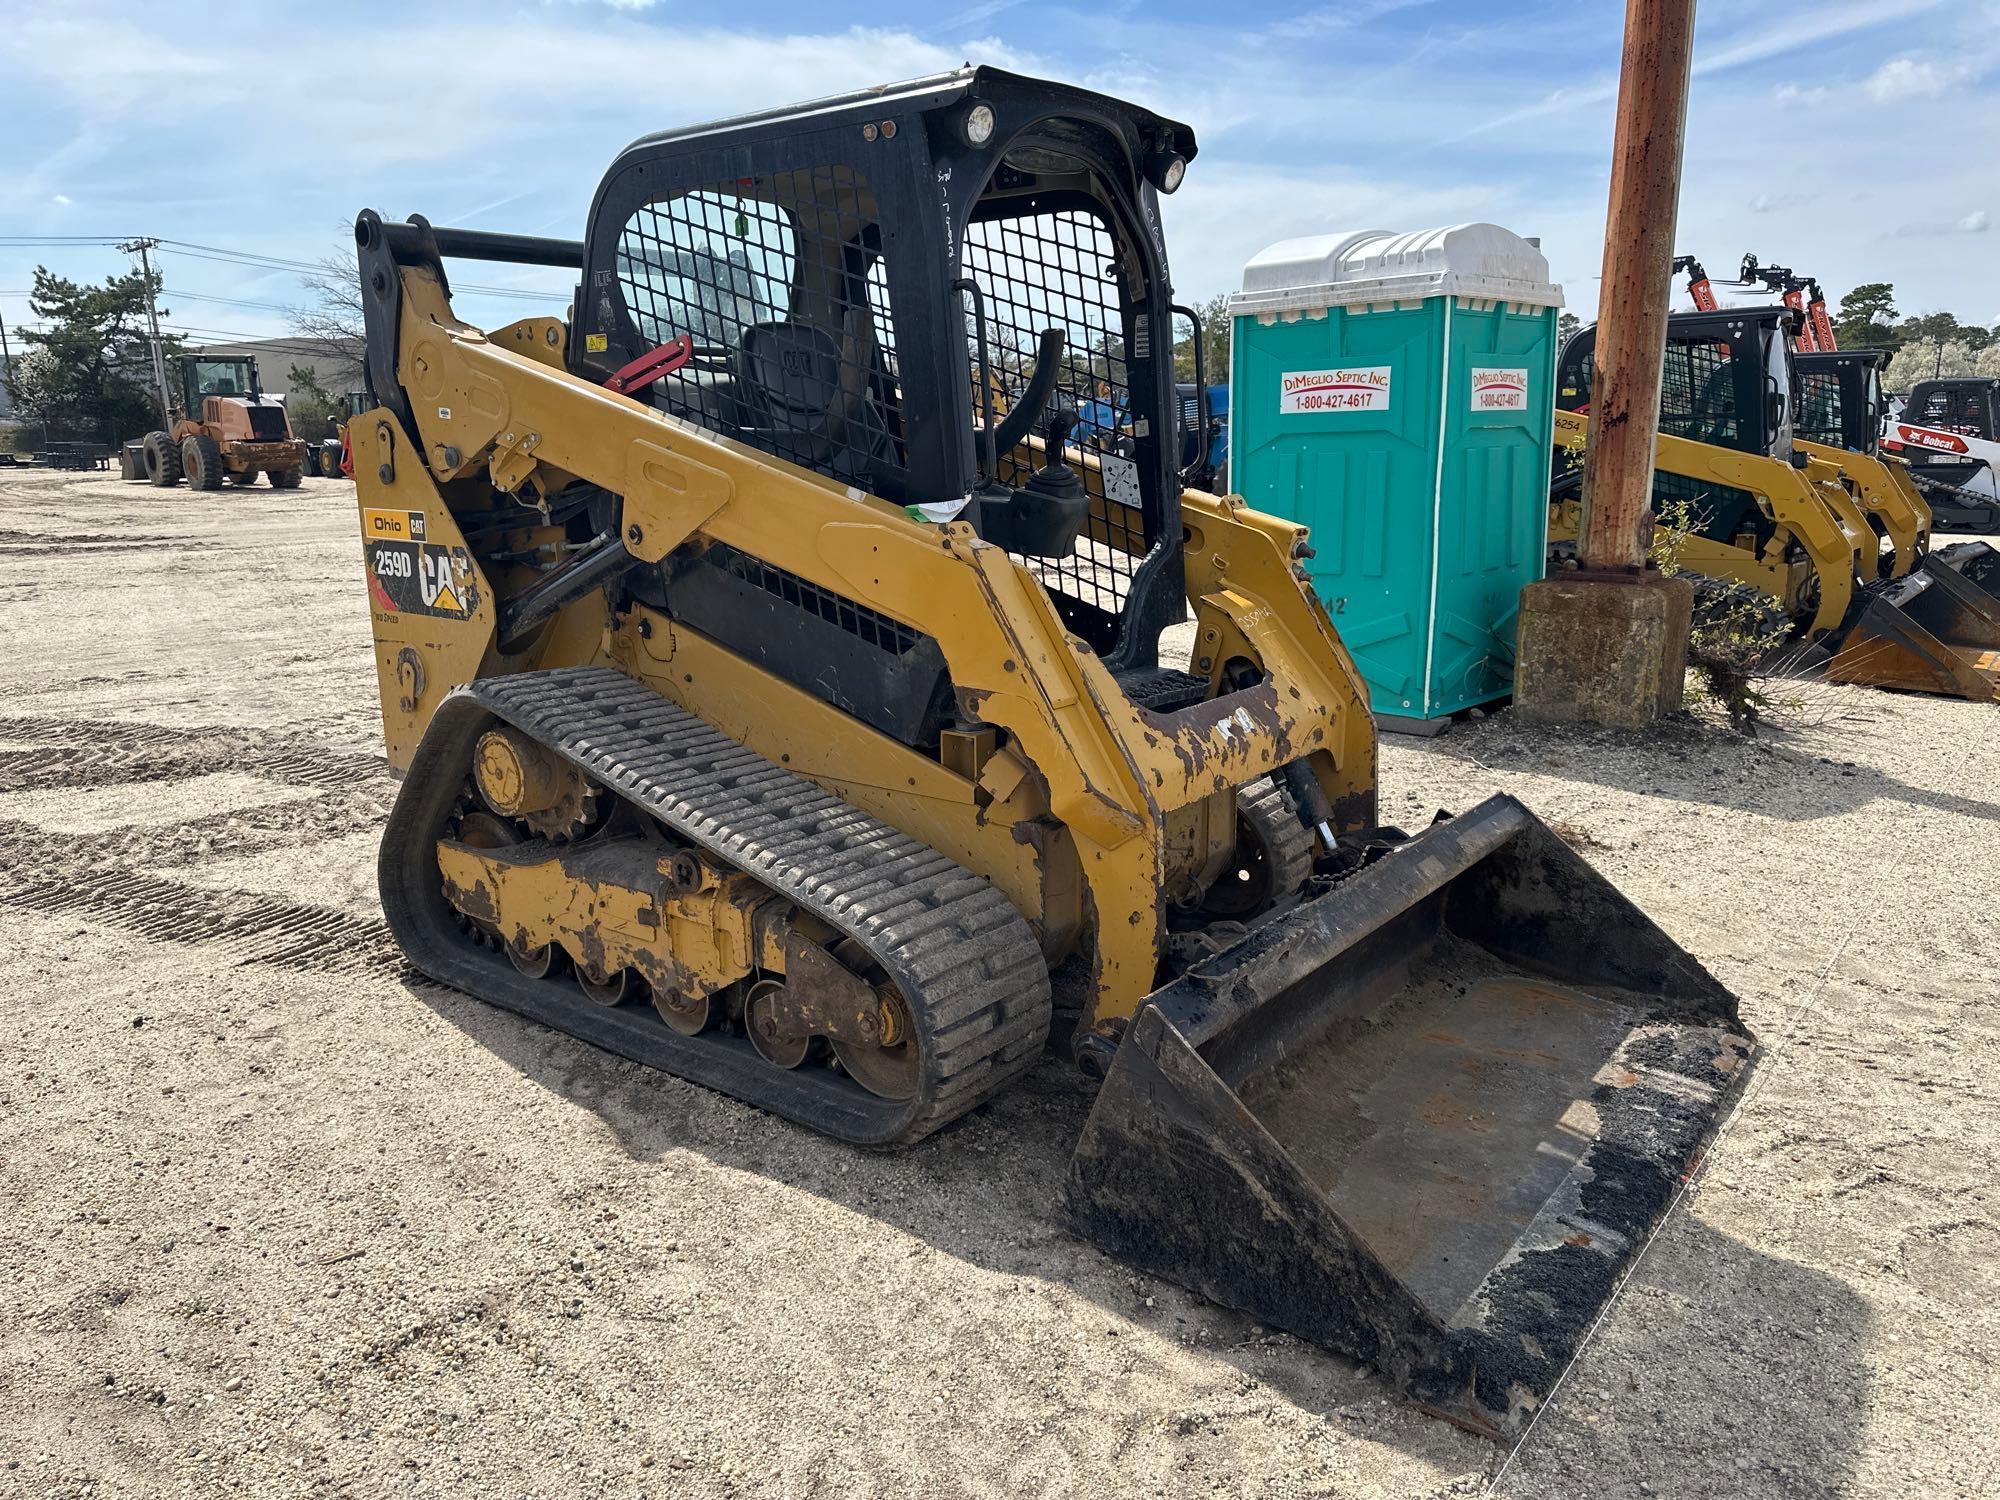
<point x="965" y="961"/>
<point x="1936" y="491"/>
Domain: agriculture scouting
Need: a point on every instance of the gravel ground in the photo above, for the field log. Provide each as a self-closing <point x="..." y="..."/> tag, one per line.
<point x="283" y="1221"/>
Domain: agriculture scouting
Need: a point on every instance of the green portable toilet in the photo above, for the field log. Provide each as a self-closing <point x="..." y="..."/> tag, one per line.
<point x="1395" y="392"/>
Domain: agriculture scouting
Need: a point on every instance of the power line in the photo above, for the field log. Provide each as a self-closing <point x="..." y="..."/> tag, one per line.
<point x="257" y="260"/>
<point x="228" y="301"/>
<point x="262" y="263"/>
<point x="57" y="239"/>
<point x="272" y="262"/>
<point x="185" y="247"/>
<point x="295" y="343"/>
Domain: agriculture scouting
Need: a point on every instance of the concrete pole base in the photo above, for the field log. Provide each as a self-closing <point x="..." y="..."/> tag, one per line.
<point x="1605" y="649"/>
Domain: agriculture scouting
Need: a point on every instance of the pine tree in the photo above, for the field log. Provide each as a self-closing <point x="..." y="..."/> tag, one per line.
<point x="88" y="374"/>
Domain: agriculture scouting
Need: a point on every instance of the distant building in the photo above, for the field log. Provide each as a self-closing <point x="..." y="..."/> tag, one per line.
<point x="336" y="371"/>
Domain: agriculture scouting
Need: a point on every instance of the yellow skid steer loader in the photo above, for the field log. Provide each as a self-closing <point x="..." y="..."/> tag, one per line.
<point x="1955" y="590"/>
<point x="1803" y="522"/>
<point x="772" y="711"/>
<point x="1840" y="421"/>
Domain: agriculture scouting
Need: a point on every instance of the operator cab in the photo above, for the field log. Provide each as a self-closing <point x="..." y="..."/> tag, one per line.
<point x="951" y="294"/>
<point x="1729" y="381"/>
<point x="1840" y="398"/>
<point x="1963" y="414"/>
<point x="204" y="375"/>
<point x="1966" y="404"/>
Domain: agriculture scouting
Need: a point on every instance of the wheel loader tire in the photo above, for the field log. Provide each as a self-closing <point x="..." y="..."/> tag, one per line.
<point x="245" y="478"/>
<point x="163" y="460"/>
<point x="286" y="479"/>
<point x="201" y="458"/>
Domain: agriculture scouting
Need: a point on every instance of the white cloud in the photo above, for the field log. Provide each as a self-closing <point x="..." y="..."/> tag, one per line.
<point x="1343" y="17"/>
<point x="1905" y="78"/>
<point x="1230" y="210"/>
<point x="60" y="200"/>
<point x="1812" y="27"/>
<point x="1976" y="222"/>
<point x="1283" y="152"/>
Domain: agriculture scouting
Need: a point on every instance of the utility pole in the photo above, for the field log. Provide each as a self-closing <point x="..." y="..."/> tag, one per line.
<point x="1607" y="643"/>
<point x="6" y="354"/>
<point x="139" y="247"/>
<point x="1637" y="283"/>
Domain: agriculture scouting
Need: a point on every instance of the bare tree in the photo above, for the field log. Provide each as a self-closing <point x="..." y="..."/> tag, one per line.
<point x="331" y="324"/>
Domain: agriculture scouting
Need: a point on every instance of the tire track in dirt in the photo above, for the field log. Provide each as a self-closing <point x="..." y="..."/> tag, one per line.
<point x="107" y="877"/>
<point x="113" y="752"/>
<point x="246" y="927"/>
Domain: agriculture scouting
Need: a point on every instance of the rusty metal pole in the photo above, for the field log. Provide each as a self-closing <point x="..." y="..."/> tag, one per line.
<point x="1637" y="285"/>
<point x="1607" y="643"/>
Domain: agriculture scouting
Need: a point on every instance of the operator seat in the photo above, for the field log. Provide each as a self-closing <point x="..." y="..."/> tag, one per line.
<point x="805" y="395"/>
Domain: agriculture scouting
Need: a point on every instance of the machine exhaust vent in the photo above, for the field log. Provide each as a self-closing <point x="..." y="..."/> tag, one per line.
<point x="859" y="621"/>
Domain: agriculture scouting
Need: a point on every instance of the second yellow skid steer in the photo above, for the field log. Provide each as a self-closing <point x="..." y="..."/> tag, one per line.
<point x="1952" y="595"/>
<point x="775" y="711"/>
<point x="1831" y="536"/>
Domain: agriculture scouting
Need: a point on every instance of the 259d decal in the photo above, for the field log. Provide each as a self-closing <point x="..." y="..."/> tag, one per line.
<point x="415" y="578"/>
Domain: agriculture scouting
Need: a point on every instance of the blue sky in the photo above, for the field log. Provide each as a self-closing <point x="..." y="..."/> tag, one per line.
<point x="1854" y="141"/>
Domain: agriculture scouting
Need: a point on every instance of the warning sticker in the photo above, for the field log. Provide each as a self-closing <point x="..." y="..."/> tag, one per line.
<point x="411" y="578"/>
<point x="1358" y="388"/>
<point x="1121" y="479"/>
<point x="392" y="525"/>
<point x="1499" y="389"/>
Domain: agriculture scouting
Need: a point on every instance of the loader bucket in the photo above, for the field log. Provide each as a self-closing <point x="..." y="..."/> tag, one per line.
<point x="1976" y="562"/>
<point x="1426" y="1118"/>
<point x="1934" y="630"/>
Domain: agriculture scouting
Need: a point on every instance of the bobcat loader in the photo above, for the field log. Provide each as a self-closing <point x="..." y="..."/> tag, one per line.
<point x="1794" y="521"/>
<point x="1948" y="432"/>
<point x="771" y="711"/>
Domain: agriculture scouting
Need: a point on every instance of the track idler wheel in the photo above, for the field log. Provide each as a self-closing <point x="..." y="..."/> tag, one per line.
<point x="688" y="1014"/>
<point x="888" y="1070"/>
<point x="535" y="962"/>
<point x="519" y="778"/>
<point x="883" y="1058"/>
<point x="611" y="991"/>
<point x="760" y="1024"/>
